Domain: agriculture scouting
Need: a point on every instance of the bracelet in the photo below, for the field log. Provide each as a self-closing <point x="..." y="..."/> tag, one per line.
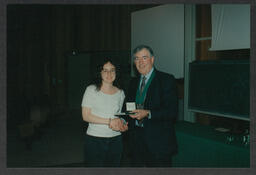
<point x="109" y="121"/>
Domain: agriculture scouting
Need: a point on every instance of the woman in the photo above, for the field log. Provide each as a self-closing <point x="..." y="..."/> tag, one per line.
<point x="101" y="100"/>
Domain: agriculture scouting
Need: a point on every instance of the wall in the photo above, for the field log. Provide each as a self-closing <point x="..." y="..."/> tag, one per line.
<point x="41" y="36"/>
<point x="203" y="31"/>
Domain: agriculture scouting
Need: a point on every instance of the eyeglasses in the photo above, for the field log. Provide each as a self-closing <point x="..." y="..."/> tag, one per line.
<point x="136" y="59"/>
<point x="112" y="71"/>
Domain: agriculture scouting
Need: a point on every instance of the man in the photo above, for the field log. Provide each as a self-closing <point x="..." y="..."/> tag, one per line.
<point x="151" y="127"/>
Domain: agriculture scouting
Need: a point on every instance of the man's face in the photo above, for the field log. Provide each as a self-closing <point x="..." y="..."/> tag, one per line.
<point x="143" y="61"/>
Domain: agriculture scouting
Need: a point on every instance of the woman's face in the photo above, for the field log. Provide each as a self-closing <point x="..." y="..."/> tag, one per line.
<point x="108" y="73"/>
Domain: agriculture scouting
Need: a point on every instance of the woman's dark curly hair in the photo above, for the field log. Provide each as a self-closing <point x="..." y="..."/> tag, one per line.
<point x="98" y="80"/>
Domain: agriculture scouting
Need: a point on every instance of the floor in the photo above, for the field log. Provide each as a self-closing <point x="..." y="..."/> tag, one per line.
<point x="60" y="144"/>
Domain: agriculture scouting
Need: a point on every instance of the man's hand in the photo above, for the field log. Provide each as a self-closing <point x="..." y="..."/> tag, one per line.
<point x="140" y="114"/>
<point x="123" y="127"/>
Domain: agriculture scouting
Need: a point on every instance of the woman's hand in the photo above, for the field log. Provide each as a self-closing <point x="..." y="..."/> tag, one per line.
<point x="117" y="124"/>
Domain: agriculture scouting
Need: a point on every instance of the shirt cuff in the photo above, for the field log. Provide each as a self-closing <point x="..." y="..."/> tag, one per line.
<point x="149" y="114"/>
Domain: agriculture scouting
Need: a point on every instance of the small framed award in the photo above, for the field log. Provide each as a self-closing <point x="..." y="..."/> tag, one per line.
<point x="130" y="106"/>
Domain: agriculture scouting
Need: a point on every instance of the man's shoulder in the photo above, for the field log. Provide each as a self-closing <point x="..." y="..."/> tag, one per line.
<point x="164" y="75"/>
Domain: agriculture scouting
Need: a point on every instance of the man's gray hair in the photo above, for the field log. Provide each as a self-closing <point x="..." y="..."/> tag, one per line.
<point x="141" y="47"/>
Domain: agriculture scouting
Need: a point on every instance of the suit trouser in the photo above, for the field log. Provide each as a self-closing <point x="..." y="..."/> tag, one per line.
<point x="102" y="152"/>
<point x="141" y="156"/>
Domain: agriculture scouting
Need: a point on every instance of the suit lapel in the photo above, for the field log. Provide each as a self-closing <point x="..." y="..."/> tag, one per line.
<point x="135" y="86"/>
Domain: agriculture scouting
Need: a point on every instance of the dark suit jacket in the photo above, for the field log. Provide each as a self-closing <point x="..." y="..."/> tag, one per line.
<point x="162" y="101"/>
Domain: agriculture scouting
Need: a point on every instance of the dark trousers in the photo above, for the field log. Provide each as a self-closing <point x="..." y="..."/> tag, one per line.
<point x="141" y="156"/>
<point x="102" y="152"/>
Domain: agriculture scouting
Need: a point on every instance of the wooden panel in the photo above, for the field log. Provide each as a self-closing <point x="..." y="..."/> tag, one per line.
<point x="202" y="51"/>
<point x="203" y="20"/>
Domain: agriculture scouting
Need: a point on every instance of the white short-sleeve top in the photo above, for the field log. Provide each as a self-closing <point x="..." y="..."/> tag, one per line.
<point x="102" y="105"/>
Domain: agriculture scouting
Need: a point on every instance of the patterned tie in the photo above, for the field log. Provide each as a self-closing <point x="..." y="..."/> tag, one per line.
<point x="142" y="84"/>
<point x="140" y="122"/>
